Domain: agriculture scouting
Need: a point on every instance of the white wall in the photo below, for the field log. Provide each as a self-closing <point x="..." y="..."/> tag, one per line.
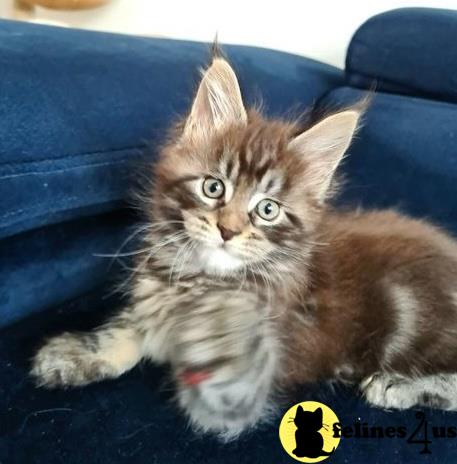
<point x="320" y="29"/>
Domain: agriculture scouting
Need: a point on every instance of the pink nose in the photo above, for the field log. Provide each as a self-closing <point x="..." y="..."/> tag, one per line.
<point x="227" y="234"/>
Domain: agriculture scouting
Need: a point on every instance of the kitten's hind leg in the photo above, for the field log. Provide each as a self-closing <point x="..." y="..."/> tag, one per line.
<point x="76" y="359"/>
<point x="391" y="391"/>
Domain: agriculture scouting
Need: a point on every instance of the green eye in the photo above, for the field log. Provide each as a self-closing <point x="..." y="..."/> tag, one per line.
<point x="213" y="188"/>
<point x="268" y="209"/>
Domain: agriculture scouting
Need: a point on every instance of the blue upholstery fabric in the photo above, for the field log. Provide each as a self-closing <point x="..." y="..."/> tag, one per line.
<point x="132" y="420"/>
<point x="410" y="50"/>
<point x="78" y="108"/>
<point x="404" y="156"/>
<point x="45" y="267"/>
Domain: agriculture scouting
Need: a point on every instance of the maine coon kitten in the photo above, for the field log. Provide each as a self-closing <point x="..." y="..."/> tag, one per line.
<point x="249" y="283"/>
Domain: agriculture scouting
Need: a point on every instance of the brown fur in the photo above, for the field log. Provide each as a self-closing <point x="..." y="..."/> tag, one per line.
<point x="364" y="253"/>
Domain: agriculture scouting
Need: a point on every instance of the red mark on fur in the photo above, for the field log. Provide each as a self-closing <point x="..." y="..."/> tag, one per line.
<point x="191" y="378"/>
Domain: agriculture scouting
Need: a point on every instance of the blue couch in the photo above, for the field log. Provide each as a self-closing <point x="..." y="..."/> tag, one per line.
<point x="80" y="114"/>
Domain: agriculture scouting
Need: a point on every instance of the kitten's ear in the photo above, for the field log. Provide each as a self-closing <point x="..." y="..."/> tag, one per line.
<point x="299" y="410"/>
<point x="323" y="147"/>
<point x="218" y="102"/>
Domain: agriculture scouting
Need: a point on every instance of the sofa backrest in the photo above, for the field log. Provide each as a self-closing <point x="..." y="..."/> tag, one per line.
<point x="410" y="50"/>
<point x="405" y="154"/>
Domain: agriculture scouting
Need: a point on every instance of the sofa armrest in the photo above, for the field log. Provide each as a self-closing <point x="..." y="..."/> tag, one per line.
<point x="409" y="50"/>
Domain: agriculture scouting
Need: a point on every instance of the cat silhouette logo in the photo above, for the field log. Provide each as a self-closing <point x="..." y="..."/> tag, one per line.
<point x="306" y="432"/>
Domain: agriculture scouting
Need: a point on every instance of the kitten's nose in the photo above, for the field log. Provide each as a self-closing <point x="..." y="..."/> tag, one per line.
<point x="227" y="234"/>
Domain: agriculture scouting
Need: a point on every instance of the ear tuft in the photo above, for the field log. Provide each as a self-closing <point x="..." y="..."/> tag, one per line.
<point x="218" y="102"/>
<point x="216" y="51"/>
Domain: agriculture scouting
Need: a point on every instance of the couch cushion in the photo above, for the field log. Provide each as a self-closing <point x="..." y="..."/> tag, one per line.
<point x="44" y="267"/>
<point x="409" y="50"/>
<point x="78" y="109"/>
<point x="133" y="419"/>
<point x="404" y="156"/>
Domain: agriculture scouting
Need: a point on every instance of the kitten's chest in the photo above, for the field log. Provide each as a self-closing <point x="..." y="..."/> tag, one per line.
<point x="153" y="296"/>
<point x="156" y="292"/>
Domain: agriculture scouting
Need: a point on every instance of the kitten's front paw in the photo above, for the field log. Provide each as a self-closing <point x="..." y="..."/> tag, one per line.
<point x="65" y="361"/>
<point x="388" y="391"/>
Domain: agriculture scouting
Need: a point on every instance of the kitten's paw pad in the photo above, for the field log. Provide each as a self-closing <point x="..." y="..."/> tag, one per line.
<point x="64" y="362"/>
<point x="388" y="392"/>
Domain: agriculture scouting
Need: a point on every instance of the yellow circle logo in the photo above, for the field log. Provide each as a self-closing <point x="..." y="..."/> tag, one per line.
<point x="306" y="432"/>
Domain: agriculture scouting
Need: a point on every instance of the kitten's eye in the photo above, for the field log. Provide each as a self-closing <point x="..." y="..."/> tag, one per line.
<point x="213" y="188"/>
<point x="268" y="209"/>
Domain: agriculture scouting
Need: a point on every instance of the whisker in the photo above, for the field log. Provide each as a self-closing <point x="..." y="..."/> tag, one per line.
<point x="121" y="255"/>
<point x="186" y="257"/>
<point x="169" y="240"/>
<point x="180" y="251"/>
<point x="136" y="232"/>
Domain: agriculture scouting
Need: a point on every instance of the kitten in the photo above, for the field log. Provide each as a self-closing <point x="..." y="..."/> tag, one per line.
<point x="249" y="283"/>
<point x="308" y="439"/>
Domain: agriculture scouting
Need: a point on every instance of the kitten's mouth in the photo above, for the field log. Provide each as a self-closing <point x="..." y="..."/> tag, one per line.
<point x="228" y="248"/>
<point x="217" y="259"/>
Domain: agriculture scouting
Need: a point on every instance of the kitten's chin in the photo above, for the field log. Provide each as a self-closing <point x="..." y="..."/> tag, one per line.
<point x="218" y="261"/>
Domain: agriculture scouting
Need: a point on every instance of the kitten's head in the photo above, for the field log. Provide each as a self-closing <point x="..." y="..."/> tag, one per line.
<point x="241" y="192"/>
